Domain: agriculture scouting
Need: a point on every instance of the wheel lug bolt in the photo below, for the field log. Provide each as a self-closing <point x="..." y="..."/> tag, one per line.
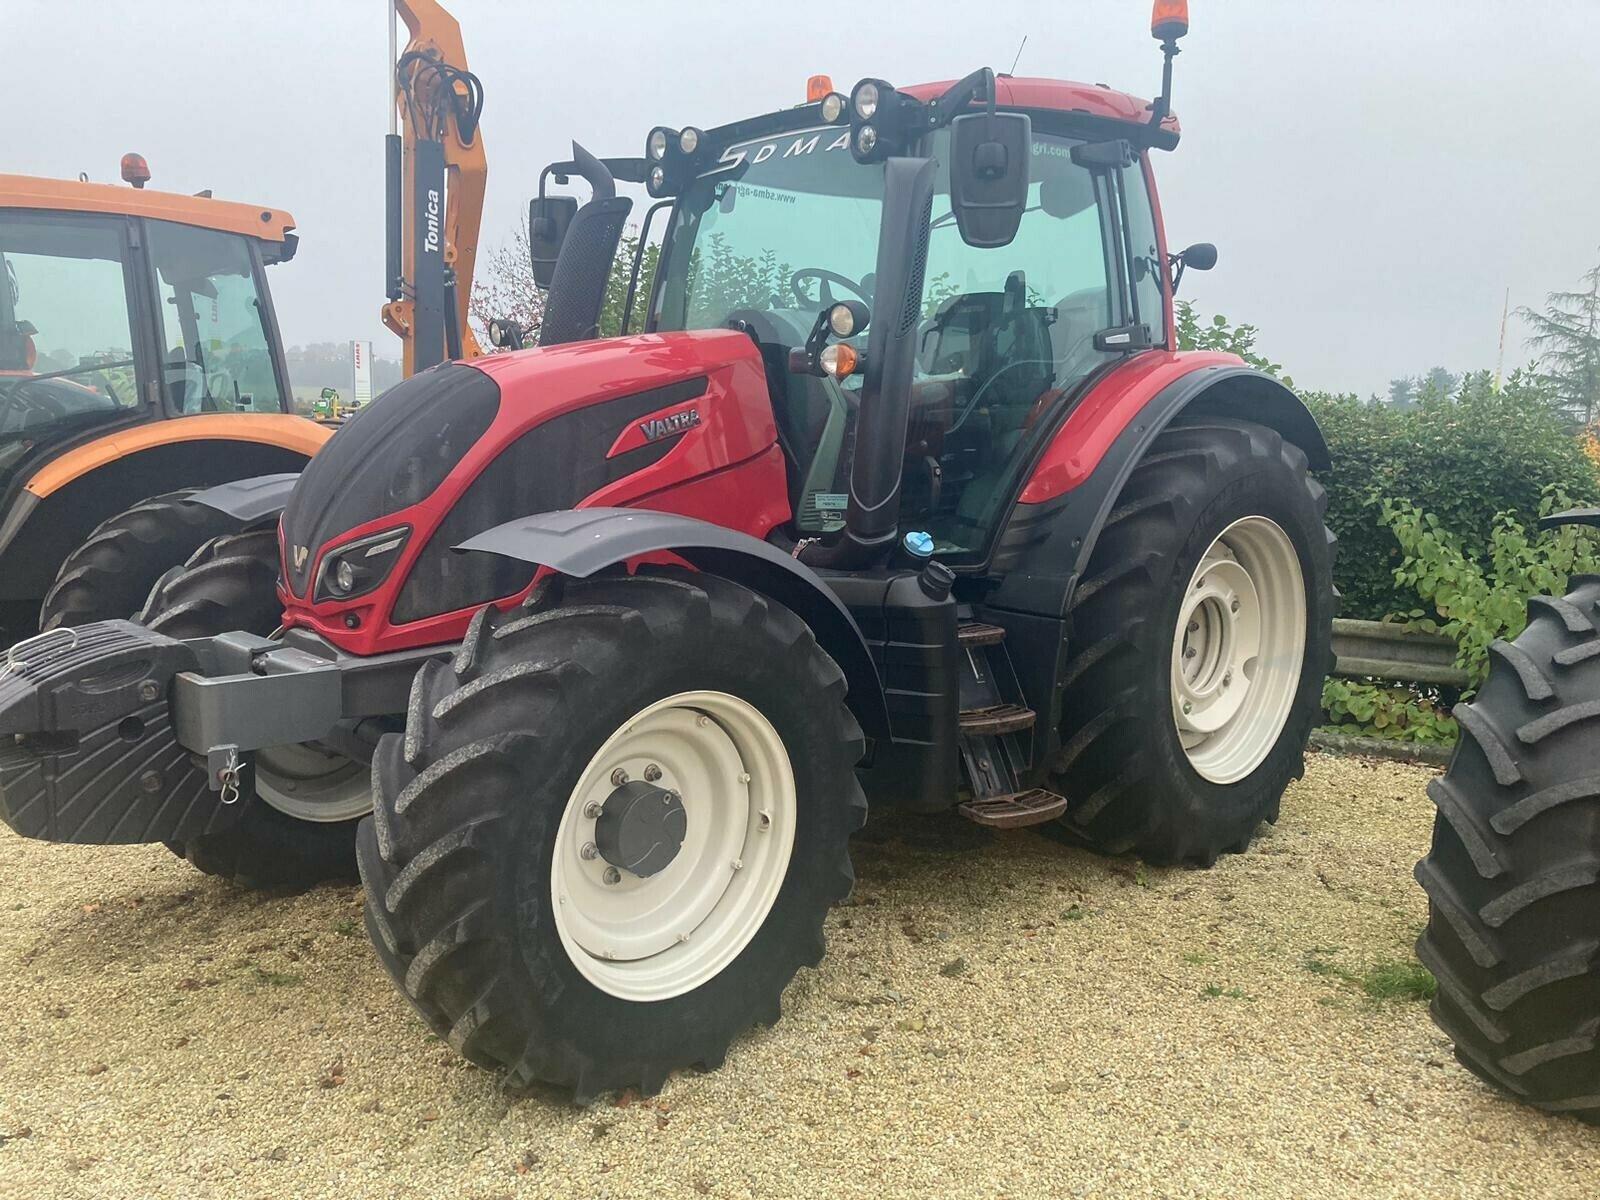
<point x="1233" y="606"/>
<point x="738" y="864"/>
<point x="612" y="875"/>
<point x="1194" y="626"/>
<point x="592" y="810"/>
<point x="765" y="820"/>
<point x="590" y="851"/>
<point x="652" y="773"/>
<point x="1188" y="707"/>
<point x="1190" y="653"/>
<point x="619" y="777"/>
<point x="702" y="721"/>
<point x="1227" y="679"/>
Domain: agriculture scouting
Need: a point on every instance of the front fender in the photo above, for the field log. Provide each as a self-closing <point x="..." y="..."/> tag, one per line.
<point x="579" y="542"/>
<point x="250" y="501"/>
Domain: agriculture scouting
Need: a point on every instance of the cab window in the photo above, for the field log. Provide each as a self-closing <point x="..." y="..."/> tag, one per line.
<point x="1005" y="332"/>
<point x="66" y="338"/>
<point x="216" y="353"/>
<point x="1149" y="269"/>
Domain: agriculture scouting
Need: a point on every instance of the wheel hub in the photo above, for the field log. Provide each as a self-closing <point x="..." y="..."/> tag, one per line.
<point x="641" y="828"/>
<point x="1238" y="648"/>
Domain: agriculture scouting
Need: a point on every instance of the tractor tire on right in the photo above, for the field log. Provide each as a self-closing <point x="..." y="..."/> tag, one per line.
<point x="1198" y="641"/>
<point x="1513" y="875"/>
<point x="613" y="828"/>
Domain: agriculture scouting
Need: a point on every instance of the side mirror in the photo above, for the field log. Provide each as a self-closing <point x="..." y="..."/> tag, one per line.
<point x="989" y="161"/>
<point x="1201" y="256"/>
<point x="549" y="218"/>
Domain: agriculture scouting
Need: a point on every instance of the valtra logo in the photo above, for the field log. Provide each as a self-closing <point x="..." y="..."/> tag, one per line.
<point x="659" y="427"/>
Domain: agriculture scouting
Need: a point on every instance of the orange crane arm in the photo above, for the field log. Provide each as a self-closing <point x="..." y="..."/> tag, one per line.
<point x="437" y="102"/>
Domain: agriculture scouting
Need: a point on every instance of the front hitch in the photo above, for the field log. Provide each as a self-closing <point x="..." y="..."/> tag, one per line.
<point x="112" y="733"/>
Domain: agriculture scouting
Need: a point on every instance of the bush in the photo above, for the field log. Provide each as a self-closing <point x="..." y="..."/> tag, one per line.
<point x="1393" y="713"/>
<point x="1477" y="601"/>
<point x="1464" y="458"/>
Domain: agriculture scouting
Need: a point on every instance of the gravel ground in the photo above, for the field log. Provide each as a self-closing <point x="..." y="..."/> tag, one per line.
<point x="997" y="1016"/>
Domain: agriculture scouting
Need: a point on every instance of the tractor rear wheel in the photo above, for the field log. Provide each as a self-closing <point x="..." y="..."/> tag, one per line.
<point x="613" y="828"/>
<point x="300" y="828"/>
<point x="109" y="577"/>
<point x="1513" y="875"/>
<point x="1198" y="641"/>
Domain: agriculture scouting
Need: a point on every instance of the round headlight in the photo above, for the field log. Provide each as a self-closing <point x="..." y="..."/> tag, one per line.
<point x="866" y="139"/>
<point x="833" y="107"/>
<point x="658" y="177"/>
<point x="865" y="100"/>
<point x="656" y="147"/>
<point x="689" y="140"/>
<point x="841" y="320"/>
<point x="345" y="575"/>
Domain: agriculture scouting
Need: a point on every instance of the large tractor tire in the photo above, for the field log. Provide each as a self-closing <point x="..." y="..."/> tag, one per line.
<point x="109" y="577"/>
<point x="613" y="828"/>
<point x="1513" y="876"/>
<point x="1198" y="642"/>
<point x="299" y="829"/>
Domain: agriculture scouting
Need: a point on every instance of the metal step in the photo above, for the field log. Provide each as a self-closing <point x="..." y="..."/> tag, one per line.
<point x="996" y="719"/>
<point x="1014" y="810"/>
<point x="978" y="633"/>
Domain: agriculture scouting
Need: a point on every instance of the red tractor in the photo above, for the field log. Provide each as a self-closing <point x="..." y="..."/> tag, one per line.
<point x="904" y="493"/>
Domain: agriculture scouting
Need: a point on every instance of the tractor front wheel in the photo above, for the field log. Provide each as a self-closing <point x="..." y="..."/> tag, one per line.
<point x="613" y="828"/>
<point x="1198" y="641"/>
<point x="300" y="827"/>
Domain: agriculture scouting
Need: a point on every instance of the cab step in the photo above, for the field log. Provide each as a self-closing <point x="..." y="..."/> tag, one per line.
<point x="996" y="719"/>
<point x="1014" y="810"/>
<point x="980" y="633"/>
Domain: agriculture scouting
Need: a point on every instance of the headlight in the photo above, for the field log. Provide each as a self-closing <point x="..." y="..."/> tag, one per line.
<point x="656" y="147"/>
<point x="833" y="106"/>
<point x="689" y="140"/>
<point x="865" y="100"/>
<point x="658" y="179"/>
<point x="359" y="567"/>
<point x="866" y="139"/>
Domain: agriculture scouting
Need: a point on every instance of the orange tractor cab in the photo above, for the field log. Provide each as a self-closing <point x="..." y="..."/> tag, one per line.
<point x="139" y="359"/>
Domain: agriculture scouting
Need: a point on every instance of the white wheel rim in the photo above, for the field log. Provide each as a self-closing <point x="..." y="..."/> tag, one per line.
<point x="658" y="936"/>
<point x="1238" y="649"/>
<point x="307" y="784"/>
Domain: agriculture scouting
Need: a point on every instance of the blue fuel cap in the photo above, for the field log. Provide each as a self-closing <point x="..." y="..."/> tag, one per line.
<point x="919" y="544"/>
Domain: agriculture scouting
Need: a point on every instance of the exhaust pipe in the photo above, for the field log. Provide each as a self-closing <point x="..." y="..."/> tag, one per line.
<point x="583" y="265"/>
<point x="873" y="512"/>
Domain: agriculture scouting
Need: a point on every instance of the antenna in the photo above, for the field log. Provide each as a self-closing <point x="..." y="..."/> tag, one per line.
<point x="1018" y="58"/>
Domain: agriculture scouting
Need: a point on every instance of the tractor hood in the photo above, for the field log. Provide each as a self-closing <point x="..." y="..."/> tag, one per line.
<point x="369" y="534"/>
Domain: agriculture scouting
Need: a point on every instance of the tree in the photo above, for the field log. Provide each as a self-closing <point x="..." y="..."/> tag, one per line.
<point x="1402" y="392"/>
<point x="1567" y="336"/>
<point x="504" y="287"/>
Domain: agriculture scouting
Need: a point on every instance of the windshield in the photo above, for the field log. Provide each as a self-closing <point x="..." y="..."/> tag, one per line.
<point x="786" y="225"/>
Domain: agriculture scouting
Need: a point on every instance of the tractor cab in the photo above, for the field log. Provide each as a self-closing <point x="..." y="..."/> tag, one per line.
<point x="1031" y="260"/>
<point x="122" y="306"/>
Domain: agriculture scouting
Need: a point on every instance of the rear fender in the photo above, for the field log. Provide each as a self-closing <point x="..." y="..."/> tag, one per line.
<point x="580" y="542"/>
<point x="1052" y="531"/>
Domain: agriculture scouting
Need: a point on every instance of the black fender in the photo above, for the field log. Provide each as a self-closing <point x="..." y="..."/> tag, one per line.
<point x="1045" y="548"/>
<point x="250" y="501"/>
<point x="579" y="542"/>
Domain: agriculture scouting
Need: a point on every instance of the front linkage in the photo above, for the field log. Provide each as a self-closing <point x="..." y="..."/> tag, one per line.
<point x="119" y="734"/>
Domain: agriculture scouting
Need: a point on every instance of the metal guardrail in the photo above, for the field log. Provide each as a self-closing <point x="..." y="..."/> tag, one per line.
<point x="1391" y="651"/>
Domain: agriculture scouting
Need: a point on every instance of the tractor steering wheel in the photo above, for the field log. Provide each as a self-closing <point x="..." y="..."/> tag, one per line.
<point x="824" y="277"/>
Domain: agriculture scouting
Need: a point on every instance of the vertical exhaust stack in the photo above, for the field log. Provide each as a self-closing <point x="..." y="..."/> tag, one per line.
<point x="583" y="266"/>
<point x="873" y="514"/>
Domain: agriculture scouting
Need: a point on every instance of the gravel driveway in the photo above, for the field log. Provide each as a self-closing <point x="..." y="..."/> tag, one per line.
<point x="997" y="1016"/>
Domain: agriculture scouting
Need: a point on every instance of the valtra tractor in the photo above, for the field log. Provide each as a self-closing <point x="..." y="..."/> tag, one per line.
<point x="903" y="493"/>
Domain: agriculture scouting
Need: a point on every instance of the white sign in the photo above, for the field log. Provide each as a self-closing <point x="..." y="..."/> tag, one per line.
<point x="361" y="359"/>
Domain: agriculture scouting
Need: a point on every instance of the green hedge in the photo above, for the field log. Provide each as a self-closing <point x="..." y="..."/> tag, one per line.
<point x="1463" y="458"/>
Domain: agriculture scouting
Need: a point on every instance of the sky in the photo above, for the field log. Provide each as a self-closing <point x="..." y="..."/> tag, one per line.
<point x="1376" y="175"/>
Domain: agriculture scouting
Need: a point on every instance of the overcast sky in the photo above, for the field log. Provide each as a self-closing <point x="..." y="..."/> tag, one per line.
<point x="1375" y="174"/>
